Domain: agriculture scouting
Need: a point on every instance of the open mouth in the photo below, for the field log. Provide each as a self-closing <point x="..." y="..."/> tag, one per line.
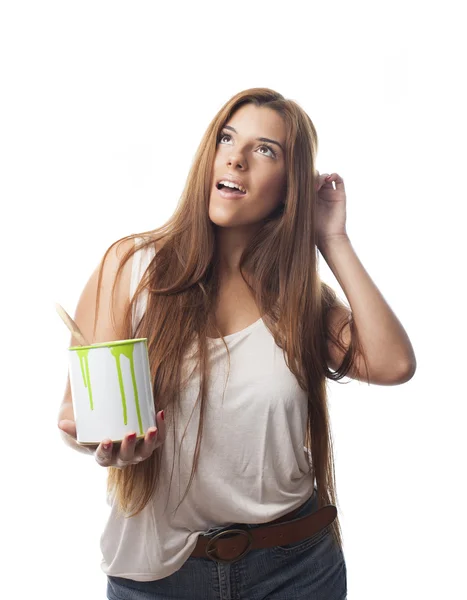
<point x="230" y="190"/>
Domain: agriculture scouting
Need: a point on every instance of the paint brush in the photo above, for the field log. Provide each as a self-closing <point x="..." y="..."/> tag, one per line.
<point x="71" y="325"/>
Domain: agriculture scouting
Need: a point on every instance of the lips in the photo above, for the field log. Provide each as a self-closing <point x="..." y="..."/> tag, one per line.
<point x="230" y="179"/>
<point x="227" y="192"/>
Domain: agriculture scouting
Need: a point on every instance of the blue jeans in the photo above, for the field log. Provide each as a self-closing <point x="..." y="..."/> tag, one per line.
<point x="312" y="569"/>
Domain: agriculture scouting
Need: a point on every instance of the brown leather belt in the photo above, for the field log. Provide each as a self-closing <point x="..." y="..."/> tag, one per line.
<point x="279" y="532"/>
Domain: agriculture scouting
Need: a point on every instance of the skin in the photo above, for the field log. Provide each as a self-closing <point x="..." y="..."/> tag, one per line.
<point x="241" y="155"/>
<point x="130" y="451"/>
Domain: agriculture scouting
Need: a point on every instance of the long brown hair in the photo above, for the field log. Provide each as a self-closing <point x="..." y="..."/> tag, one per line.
<point x="182" y="284"/>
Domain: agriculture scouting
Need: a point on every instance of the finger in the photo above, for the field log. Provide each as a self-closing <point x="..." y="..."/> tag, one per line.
<point x="127" y="449"/>
<point x="68" y="427"/>
<point x="161" y="427"/>
<point x="103" y="453"/>
<point x="321" y="180"/>
<point x="335" y="181"/>
<point x="149" y="444"/>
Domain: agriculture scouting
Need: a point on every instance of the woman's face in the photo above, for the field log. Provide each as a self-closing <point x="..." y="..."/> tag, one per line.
<point x="258" y="165"/>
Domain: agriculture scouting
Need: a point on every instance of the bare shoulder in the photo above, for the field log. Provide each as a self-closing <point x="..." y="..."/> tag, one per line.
<point x="155" y="245"/>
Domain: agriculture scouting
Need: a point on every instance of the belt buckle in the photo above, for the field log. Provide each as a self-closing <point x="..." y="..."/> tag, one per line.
<point x="210" y="549"/>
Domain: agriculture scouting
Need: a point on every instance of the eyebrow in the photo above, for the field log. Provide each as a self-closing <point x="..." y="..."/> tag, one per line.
<point x="260" y="139"/>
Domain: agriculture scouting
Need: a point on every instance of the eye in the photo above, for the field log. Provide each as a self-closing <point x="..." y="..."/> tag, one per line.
<point x="269" y="148"/>
<point x="227" y="135"/>
<point x="223" y="135"/>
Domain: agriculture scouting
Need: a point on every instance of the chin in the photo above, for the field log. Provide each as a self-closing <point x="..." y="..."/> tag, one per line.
<point x="227" y="219"/>
<point x="225" y="223"/>
<point x="220" y="219"/>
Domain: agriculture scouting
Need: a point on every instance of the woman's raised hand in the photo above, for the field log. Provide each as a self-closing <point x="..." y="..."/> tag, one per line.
<point x="129" y="452"/>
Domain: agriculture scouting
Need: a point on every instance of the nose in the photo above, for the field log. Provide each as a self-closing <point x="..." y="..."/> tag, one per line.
<point x="236" y="160"/>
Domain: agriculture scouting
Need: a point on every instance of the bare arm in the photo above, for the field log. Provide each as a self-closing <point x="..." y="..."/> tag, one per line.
<point x="106" y="331"/>
<point x="385" y="342"/>
<point x="66" y="420"/>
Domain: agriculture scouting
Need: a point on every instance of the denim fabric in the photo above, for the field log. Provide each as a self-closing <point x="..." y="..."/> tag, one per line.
<point x="313" y="568"/>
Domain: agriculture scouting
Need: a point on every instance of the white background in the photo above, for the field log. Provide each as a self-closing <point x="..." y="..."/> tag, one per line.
<point x="103" y="105"/>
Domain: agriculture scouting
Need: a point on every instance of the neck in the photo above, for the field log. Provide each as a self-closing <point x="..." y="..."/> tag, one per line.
<point x="230" y="244"/>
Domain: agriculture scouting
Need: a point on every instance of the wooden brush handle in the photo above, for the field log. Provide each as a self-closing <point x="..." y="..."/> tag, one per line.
<point x="71" y="325"/>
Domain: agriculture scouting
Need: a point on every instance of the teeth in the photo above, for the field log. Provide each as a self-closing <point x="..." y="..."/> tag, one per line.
<point x="233" y="186"/>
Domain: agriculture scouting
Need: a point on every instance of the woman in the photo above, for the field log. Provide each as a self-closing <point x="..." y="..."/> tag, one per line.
<point x="242" y="335"/>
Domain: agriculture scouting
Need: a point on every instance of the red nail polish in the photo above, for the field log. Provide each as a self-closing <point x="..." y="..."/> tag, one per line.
<point x="152" y="434"/>
<point x="132" y="437"/>
<point x="162" y="415"/>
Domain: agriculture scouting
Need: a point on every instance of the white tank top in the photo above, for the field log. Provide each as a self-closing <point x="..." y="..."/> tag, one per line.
<point x="253" y="465"/>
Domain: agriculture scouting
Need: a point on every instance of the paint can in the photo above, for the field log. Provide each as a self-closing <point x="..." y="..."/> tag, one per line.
<point x="111" y="390"/>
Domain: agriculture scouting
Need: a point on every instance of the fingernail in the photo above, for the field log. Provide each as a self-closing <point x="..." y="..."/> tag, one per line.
<point x="152" y="434"/>
<point x="132" y="437"/>
<point x="162" y="414"/>
<point x="106" y="446"/>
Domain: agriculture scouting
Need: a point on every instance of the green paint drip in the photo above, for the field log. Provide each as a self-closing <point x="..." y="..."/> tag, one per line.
<point x="83" y="362"/>
<point x="117" y="351"/>
<point x="127" y="350"/>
